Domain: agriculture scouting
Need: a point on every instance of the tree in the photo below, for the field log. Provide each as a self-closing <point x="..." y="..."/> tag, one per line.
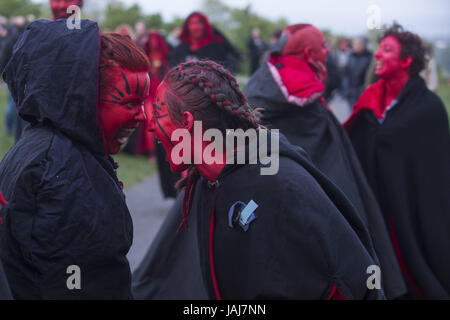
<point x="9" y="8"/>
<point x="117" y="14"/>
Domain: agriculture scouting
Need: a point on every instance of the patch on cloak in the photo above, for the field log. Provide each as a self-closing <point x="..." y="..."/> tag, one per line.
<point x="242" y="213"/>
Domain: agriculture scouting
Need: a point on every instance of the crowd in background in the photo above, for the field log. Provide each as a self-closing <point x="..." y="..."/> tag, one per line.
<point x="350" y="65"/>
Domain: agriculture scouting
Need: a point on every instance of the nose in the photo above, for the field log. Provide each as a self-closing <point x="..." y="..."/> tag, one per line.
<point x="377" y="54"/>
<point x="140" y="115"/>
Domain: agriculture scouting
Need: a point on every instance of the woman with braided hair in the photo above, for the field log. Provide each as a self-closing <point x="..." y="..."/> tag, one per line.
<point x="235" y="233"/>
<point x="66" y="229"/>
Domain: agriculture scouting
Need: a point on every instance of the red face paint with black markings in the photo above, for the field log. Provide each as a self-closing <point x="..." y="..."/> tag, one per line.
<point x="122" y="106"/>
<point x="163" y="126"/>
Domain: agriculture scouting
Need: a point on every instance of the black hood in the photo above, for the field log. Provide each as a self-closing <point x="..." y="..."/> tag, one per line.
<point x="53" y="78"/>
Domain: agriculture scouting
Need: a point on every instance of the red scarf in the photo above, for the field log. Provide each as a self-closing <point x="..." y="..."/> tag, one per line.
<point x="209" y="37"/>
<point x="296" y="79"/>
<point x="369" y="100"/>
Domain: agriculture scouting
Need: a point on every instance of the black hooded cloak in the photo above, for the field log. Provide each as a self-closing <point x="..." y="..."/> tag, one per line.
<point x="66" y="206"/>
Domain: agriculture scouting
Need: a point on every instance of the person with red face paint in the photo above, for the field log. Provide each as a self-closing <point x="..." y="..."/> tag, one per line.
<point x="290" y="89"/>
<point x="400" y="132"/>
<point x="66" y="228"/>
<point x="204" y="250"/>
<point x="59" y="8"/>
<point x="200" y="41"/>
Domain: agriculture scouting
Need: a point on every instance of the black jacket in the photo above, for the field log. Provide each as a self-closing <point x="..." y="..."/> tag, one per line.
<point x="66" y="206"/>
<point x="314" y="128"/>
<point x="220" y="52"/>
<point x="355" y="74"/>
<point x="305" y="240"/>
<point x="406" y="159"/>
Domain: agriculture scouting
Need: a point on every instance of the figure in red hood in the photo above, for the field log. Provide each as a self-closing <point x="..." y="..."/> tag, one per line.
<point x="200" y="41"/>
<point x="59" y="8"/>
<point x="400" y="132"/>
<point x="290" y="88"/>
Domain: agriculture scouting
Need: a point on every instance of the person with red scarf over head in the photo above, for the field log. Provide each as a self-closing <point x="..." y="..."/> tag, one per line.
<point x="400" y="132"/>
<point x="289" y="87"/>
<point x="201" y="41"/>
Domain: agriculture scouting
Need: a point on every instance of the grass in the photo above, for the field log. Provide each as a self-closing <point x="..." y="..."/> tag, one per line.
<point x="133" y="169"/>
<point x="443" y="91"/>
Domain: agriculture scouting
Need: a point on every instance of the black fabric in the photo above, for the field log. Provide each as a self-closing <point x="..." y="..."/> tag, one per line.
<point x="220" y="52"/>
<point x="66" y="206"/>
<point x="167" y="178"/>
<point x="314" y="128"/>
<point x="355" y="73"/>
<point x="306" y="238"/>
<point x="5" y="291"/>
<point x="406" y="159"/>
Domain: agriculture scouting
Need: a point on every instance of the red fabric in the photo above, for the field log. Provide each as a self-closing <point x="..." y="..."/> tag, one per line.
<point x="336" y="294"/>
<point x="369" y="100"/>
<point x="159" y="64"/>
<point x="2" y="200"/>
<point x="211" y="254"/>
<point x="297" y="77"/>
<point x="401" y="260"/>
<point x="2" y="203"/>
<point x="209" y="38"/>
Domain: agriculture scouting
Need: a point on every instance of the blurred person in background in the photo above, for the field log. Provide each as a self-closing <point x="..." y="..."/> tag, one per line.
<point x="430" y="73"/>
<point x="124" y="30"/>
<point x="200" y="41"/>
<point x="173" y="39"/>
<point x="256" y="49"/>
<point x="140" y="34"/>
<point x="12" y="122"/>
<point x="158" y="53"/>
<point x="356" y="69"/>
<point x="290" y="88"/>
<point x="400" y="132"/>
<point x="59" y="8"/>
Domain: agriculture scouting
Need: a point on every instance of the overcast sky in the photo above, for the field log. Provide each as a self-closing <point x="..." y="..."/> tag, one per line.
<point x="429" y="18"/>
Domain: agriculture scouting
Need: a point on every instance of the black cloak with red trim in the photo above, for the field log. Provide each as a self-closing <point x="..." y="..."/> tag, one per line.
<point x="305" y="241"/>
<point x="405" y="153"/>
<point x="290" y="95"/>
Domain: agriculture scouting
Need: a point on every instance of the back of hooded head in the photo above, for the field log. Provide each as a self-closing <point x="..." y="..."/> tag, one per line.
<point x="305" y="42"/>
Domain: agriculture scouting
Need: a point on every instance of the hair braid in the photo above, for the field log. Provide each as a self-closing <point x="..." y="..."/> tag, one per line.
<point x="243" y="111"/>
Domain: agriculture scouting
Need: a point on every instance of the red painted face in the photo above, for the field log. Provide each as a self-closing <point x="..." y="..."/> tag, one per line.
<point x="122" y="106"/>
<point x="388" y="61"/>
<point x="59" y="7"/>
<point x="196" y="28"/>
<point x="163" y="126"/>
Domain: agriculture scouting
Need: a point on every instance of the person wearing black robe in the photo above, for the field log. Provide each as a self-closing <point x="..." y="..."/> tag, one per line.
<point x="302" y="238"/>
<point x="288" y="90"/>
<point x="210" y="44"/>
<point x="400" y="132"/>
<point x="66" y="229"/>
